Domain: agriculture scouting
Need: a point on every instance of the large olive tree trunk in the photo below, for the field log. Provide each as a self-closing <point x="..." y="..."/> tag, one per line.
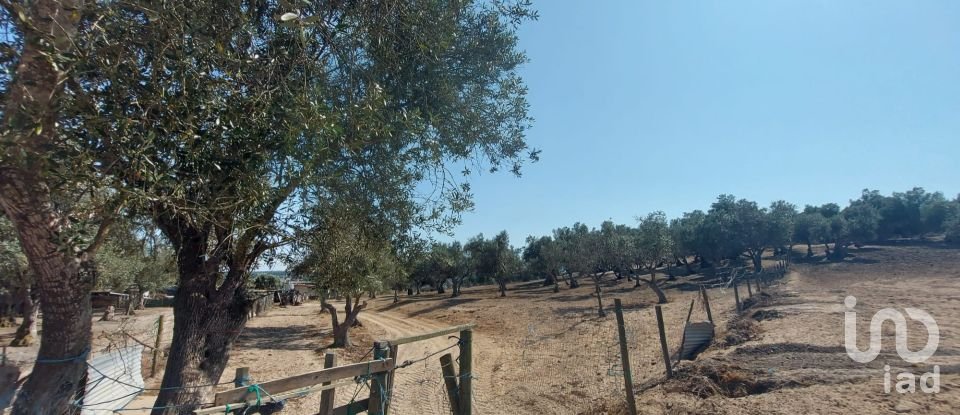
<point x="62" y="281"/>
<point x="203" y="333"/>
<point x="756" y="256"/>
<point x="572" y="281"/>
<point x="661" y="297"/>
<point x="209" y="312"/>
<point x="457" y="282"/>
<point x="341" y="330"/>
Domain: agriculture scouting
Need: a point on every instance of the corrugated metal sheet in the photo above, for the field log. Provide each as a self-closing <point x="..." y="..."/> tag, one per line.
<point x="113" y="380"/>
<point x="696" y="337"/>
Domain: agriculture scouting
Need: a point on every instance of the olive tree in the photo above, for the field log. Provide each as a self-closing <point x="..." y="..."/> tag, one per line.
<point x="344" y="256"/>
<point x="497" y="260"/>
<point x="457" y="262"/>
<point x="572" y="262"/>
<point x="543" y="257"/>
<point x="685" y="234"/>
<point x="811" y="227"/>
<point x="41" y="172"/>
<point x="653" y="244"/>
<point x="222" y="123"/>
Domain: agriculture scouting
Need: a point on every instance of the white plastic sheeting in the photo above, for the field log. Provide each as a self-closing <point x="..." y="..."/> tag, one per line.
<point x="113" y="380"/>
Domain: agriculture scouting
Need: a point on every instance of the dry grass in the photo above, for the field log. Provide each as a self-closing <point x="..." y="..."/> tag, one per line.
<point x="740" y="330"/>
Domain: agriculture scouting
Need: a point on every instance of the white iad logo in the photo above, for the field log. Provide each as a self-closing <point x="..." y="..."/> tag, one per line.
<point x="906" y="381"/>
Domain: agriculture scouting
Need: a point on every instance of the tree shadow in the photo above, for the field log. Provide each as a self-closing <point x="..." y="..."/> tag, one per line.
<point x="585" y="311"/>
<point x="296" y="337"/>
<point x="446" y="303"/>
<point x="850" y="259"/>
<point x="410" y="300"/>
<point x="684" y="286"/>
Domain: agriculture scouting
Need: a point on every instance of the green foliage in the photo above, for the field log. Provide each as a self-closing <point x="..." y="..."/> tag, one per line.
<point x="905" y="214"/>
<point x="579" y="253"/>
<point x="542" y="256"/>
<point x="811" y="227"/>
<point x="345" y="252"/>
<point x="952" y="228"/>
<point x="492" y="258"/>
<point x="618" y="247"/>
<point x="779" y="224"/>
<point x="687" y="234"/>
<point x="861" y="223"/>
<point x="267" y="282"/>
<point x="225" y="124"/>
<point x="653" y="241"/>
<point x="14" y="270"/>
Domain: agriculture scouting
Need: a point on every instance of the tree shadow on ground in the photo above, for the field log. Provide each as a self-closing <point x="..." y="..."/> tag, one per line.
<point x="850" y="259"/>
<point x="412" y="300"/>
<point x="296" y="337"/>
<point x="443" y="304"/>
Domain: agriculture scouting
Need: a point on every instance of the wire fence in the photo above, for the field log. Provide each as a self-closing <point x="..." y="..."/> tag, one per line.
<point x="565" y="365"/>
<point x="572" y="364"/>
<point x="418" y="386"/>
<point x="568" y="363"/>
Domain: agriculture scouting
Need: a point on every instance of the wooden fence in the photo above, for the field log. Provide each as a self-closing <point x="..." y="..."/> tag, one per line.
<point x="379" y="372"/>
<point x="459" y="386"/>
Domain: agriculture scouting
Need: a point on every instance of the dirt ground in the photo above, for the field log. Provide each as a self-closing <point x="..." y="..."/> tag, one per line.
<point x="537" y="351"/>
<point x="798" y="362"/>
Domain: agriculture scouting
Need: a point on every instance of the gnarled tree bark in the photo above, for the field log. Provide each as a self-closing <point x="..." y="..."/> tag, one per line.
<point x="210" y="309"/>
<point x="341" y="330"/>
<point x="63" y="274"/>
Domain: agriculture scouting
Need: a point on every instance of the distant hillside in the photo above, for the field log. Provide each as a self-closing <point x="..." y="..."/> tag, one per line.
<point x="282" y="274"/>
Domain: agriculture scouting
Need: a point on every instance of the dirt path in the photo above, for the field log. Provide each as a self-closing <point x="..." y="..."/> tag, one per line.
<point x="418" y="387"/>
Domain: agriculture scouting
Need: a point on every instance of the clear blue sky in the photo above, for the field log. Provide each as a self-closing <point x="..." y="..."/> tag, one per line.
<point x="663" y="105"/>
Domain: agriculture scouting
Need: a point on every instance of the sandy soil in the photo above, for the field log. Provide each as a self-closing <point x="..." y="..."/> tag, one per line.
<point x="800" y="353"/>
<point x="537" y="351"/>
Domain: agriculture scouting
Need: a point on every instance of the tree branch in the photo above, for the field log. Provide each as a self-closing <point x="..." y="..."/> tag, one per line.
<point x="333" y="313"/>
<point x="102" y="232"/>
<point x="109" y="217"/>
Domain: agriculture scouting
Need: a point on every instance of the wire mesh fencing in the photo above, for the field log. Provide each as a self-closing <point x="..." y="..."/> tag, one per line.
<point x="570" y="363"/>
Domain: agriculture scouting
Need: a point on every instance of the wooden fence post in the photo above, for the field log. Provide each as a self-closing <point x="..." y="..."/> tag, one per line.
<point x="663" y="341"/>
<point x="625" y="359"/>
<point x="394" y="351"/>
<point x="736" y="296"/>
<point x="379" y="396"/>
<point x="328" y="397"/>
<point x="706" y="304"/>
<point x="450" y="380"/>
<point x="241" y="377"/>
<point x="466" y="372"/>
<point x="156" y="347"/>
